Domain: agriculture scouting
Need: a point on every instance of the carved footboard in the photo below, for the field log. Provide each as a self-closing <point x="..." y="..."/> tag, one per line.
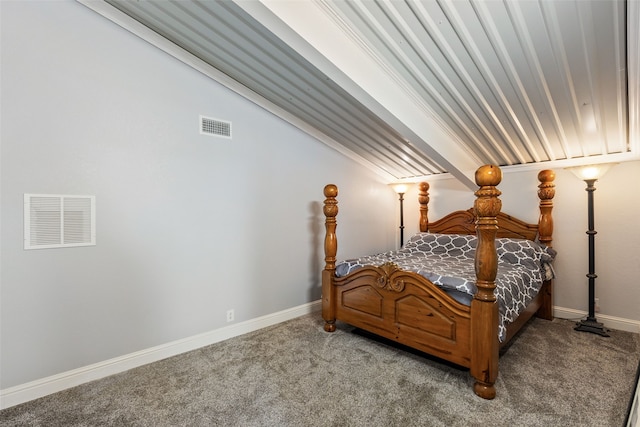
<point x="407" y="308"/>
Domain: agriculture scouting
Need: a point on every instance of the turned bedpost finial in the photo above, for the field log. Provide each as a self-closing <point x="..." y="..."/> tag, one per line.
<point x="330" y="250"/>
<point x="488" y="176"/>
<point x="423" y="200"/>
<point x="330" y="213"/>
<point x="487" y="207"/>
<point x="484" y="307"/>
<point x="546" y="193"/>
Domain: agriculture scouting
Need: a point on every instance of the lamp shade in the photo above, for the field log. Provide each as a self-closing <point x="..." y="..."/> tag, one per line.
<point x="401" y="187"/>
<point x="591" y="172"/>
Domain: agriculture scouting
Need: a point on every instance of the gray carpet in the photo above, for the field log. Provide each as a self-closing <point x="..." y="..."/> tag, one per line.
<point x="295" y="374"/>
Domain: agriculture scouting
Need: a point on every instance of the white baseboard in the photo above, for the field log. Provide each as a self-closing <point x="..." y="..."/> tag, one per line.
<point x="55" y="383"/>
<point x="610" y="322"/>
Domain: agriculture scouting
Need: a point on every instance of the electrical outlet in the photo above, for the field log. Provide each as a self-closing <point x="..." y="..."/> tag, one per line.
<point x="596" y="306"/>
<point x="230" y="315"/>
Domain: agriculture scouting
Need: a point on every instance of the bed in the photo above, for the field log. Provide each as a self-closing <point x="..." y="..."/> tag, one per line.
<point x="394" y="298"/>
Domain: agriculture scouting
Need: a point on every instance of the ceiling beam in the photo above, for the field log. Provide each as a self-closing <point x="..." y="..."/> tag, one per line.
<point x="311" y="30"/>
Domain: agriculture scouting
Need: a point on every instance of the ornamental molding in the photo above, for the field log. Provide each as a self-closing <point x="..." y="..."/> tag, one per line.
<point x="385" y="281"/>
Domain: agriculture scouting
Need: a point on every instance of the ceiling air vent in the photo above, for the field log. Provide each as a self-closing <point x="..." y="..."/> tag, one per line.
<point x="55" y="221"/>
<point x="215" y="127"/>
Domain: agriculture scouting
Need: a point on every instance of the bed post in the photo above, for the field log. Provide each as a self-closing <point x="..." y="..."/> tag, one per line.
<point x="330" y="250"/>
<point x="484" y="307"/>
<point x="546" y="192"/>
<point x="423" y="199"/>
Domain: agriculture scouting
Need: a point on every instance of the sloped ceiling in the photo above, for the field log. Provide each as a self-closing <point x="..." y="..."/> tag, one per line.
<point x="421" y="88"/>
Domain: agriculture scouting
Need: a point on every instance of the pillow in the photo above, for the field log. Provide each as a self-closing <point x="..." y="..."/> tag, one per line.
<point x="527" y="253"/>
<point x="514" y="251"/>
<point x="523" y="252"/>
<point x="455" y="245"/>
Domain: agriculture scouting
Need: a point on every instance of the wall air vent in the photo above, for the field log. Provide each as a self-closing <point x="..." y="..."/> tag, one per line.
<point x="215" y="127"/>
<point x="57" y="221"/>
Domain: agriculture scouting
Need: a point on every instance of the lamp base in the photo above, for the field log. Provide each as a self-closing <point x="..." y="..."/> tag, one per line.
<point x="590" y="324"/>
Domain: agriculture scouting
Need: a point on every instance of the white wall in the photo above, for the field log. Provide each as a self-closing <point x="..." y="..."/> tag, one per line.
<point x="617" y="242"/>
<point x="188" y="226"/>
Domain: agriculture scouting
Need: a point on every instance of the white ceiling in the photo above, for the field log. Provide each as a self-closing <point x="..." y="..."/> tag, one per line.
<point x="420" y="88"/>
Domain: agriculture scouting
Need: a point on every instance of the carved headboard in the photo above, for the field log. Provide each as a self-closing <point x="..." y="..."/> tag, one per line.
<point x="463" y="222"/>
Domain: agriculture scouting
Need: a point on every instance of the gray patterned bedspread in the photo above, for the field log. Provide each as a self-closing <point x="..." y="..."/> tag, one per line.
<point x="447" y="260"/>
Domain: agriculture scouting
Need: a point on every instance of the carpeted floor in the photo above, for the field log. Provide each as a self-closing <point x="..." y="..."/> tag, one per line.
<point x="295" y="374"/>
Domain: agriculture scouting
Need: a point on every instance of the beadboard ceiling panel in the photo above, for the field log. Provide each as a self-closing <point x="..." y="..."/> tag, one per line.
<point x="420" y="88"/>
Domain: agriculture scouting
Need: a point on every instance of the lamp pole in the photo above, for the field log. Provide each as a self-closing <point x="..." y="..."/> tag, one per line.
<point x="401" y="188"/>
<point x="401" y="196"/>
<point x="590" y="324"/>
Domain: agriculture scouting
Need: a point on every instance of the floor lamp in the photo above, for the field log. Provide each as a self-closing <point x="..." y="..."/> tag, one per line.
<point x="590" y="174"/>
<point x="401" y="189"/>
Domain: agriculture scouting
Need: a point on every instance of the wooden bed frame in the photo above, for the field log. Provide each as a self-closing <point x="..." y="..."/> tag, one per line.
<point x="407" y="308"/>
